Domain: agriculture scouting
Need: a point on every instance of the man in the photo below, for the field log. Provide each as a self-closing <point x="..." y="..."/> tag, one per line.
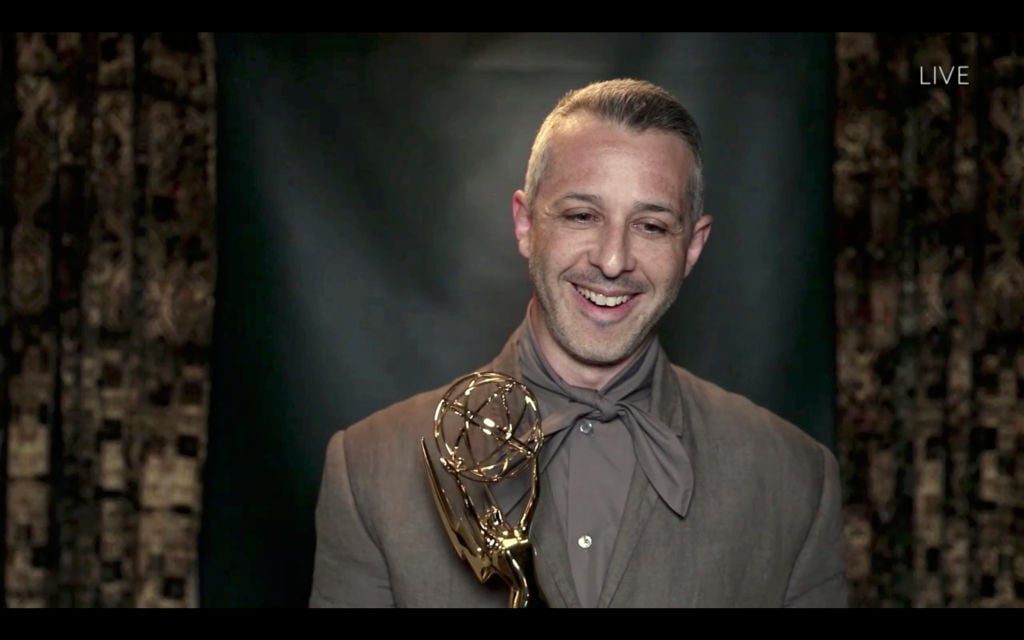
<point x="658" y="489"/>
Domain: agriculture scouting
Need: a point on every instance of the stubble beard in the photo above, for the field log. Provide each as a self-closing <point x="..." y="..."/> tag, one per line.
<point x="556" y="317"/>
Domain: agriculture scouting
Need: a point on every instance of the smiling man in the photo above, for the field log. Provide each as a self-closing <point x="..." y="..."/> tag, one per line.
<point x="608" y="232"/>
<point x="658" y="489"/>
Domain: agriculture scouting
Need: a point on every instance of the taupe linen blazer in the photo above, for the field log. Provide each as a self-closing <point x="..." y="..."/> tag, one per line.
<point x="763" y="527"/>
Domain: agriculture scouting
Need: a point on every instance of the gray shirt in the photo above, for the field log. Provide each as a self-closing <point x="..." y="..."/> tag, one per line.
<point x="587" y="461"/>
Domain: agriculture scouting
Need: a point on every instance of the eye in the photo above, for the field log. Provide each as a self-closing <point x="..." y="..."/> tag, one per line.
<point x="651" y="228"/>
<point x="579" y="217"/>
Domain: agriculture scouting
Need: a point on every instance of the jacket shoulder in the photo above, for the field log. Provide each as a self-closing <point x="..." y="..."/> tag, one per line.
<point x="393" y="428"/>
<point x="739" y="424"/>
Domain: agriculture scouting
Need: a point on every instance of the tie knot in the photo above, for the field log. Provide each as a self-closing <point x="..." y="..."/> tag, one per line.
<point x="604" y="409"/>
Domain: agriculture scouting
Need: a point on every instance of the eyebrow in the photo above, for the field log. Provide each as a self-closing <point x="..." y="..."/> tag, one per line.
<point x="652" y="207"/>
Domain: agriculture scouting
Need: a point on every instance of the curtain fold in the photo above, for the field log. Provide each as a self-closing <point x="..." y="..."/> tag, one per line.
<point x="929" y="281"/>
<point x="110" y="272"/>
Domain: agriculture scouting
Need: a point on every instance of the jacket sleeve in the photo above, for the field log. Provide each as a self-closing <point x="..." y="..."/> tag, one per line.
<point x="349" y="569"/>
<point x="819" y="575"/>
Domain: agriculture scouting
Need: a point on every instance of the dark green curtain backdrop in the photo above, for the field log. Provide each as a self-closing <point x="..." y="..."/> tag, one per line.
<point x="366" y="249"/>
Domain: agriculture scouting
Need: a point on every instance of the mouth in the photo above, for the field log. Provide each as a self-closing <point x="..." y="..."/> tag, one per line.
<point x="603" y="300"/>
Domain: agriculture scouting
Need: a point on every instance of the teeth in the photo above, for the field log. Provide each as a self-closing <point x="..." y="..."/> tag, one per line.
<point x="602" y="300"/>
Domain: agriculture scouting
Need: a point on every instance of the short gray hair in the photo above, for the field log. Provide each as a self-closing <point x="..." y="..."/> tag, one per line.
<point x="635" y="104"/>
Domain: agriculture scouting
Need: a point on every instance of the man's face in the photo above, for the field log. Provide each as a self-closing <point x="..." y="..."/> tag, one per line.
<point x="607" y="237"/>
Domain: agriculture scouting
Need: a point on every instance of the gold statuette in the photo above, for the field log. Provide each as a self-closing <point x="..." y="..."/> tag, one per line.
<point x="487" y="430"/>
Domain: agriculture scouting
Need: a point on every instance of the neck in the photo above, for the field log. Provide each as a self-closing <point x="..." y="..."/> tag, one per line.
<point x="572" y="371"/>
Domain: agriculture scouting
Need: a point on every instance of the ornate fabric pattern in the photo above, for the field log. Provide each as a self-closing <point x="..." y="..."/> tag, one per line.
<point x="929" y="275"/>
<point x="112" y="261"/>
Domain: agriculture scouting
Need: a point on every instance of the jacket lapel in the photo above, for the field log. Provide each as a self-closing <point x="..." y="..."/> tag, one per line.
<point x="640" y="503"/>
<point x="552" y="557"/>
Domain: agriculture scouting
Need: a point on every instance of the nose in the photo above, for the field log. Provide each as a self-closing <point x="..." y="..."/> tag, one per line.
<point x="612" y="254"/>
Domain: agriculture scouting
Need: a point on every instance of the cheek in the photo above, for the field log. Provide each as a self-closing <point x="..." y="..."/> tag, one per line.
<point x="560" y="249"/>
<point x="667" y="266"/>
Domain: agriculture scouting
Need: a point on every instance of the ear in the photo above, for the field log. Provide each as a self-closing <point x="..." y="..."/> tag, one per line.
<point x="698" y="237"/>
<point x="522" y="220"/>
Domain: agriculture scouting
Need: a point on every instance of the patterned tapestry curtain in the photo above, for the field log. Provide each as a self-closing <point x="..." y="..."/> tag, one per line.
<point x="929" y="178"/>
<point x="106" y="310"/>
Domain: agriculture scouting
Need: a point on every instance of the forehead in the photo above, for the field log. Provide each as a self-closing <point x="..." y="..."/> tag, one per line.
<point x="586" y="147"/>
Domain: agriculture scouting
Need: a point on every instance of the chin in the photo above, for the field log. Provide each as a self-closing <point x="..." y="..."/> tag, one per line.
<point x="603" y="357"/>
